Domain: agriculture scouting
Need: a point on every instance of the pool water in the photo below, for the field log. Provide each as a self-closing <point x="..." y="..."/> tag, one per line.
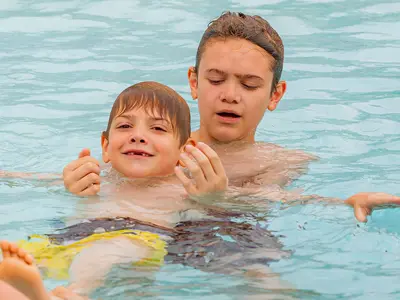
<point x="63" y="63"/>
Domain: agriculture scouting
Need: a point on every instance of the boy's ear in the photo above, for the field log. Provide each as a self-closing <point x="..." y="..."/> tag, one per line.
<point x="192" y="77"/>
<point x="190" y="141"/>
<point x="277" y="95"/>
<point x="104" y="147"/>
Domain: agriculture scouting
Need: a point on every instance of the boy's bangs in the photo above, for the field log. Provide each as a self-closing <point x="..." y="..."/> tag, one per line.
<point x="152" y="105"/>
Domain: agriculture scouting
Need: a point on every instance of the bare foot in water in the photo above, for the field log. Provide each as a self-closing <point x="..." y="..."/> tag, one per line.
<point x="17" y="269"/>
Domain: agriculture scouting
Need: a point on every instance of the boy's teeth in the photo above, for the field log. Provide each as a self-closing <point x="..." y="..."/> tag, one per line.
<point x="142" y="154"/>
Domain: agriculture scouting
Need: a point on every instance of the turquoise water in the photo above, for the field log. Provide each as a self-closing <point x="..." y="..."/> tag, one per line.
<point x="63" y="63"/>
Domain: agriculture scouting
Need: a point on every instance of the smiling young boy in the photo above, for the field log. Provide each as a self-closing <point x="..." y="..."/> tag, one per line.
<point x="148" y="128"/>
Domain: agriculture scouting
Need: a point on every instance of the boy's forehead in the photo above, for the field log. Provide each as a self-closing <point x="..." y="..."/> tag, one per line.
<point x="143" y="112"/>
<point x="237" y="56"/>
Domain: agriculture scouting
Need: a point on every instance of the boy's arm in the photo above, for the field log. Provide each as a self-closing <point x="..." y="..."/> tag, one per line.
<point x="81" y="177"/>
<point x="257" y="200"/>
<point x="32" y="176"/>
<point x="209" y="187"/>
<point x="363" y="203"/>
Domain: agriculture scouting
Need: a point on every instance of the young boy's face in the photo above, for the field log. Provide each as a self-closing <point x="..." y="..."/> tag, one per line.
<point x="233" y="87"/>
<point x="141" y="145"/>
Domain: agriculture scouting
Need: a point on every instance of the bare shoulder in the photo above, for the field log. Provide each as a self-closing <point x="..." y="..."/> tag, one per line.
<point x="286" y="154"/>
<point x="266" y="163"/>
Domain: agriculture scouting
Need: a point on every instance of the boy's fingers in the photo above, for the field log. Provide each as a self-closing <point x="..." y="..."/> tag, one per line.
<point x="81" y="185"/>
<point x="213" y="158"/>
<point x="79" y="162"/>
<point x="220" y="179"/>
<point x="360" y="213"/>
<point x="194" y="169"/>
<point x="94" y="189"/>
<point x="186" y="182"/>
<point x="203" y="161"/>
<point x="84" y="152"/>
<point x="72" y="178"/>
<point x="84" y="170"/>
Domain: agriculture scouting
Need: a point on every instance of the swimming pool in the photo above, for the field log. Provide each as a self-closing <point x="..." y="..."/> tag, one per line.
<point x="63" y="63"/>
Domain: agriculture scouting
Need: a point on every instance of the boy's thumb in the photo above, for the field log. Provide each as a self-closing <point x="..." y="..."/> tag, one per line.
<point x="360" y="214"/>
<point x="84" y="152"/>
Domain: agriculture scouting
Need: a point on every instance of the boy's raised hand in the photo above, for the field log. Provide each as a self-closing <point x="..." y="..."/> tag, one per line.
<point x="364" y="203"/>
<point x="82" y="176"/>
<point x="208" y="174"/>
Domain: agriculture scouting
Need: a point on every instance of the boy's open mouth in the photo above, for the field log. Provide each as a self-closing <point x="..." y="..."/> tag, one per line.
<point x="228" y="114"/>
<point x="138" y="153"/>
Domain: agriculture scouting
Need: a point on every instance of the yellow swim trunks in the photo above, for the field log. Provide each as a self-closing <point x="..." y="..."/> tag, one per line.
<point x="55" y="259"/>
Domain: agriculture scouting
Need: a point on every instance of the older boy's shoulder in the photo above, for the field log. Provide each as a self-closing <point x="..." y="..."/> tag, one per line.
<point x="274" y="164"/>
<point x="282" y="153"/>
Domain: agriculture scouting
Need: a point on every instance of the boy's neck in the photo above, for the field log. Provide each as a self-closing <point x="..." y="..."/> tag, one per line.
<point x="142" y="181"/>
<point x="201" y="135"/>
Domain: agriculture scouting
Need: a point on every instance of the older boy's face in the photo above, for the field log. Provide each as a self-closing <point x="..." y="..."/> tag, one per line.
<point x="233" y="87"/>
<point x="140" y="145"/>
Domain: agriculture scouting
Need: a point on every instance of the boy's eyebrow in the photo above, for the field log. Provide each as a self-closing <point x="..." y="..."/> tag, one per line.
<point x="129" y="116"/>
<point x="241" y="76"/>
<point x="249" y="76"/>
<point x="219" y="72"/>
<point x="159" y="119"/>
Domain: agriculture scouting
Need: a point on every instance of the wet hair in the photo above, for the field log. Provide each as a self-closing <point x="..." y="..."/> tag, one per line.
<point x="155" y="98"/>
<point x="251" y="28"/>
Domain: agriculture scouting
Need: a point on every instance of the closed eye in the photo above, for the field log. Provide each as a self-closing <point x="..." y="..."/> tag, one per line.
<point x="158" y="128"/>
<point x="249" y="87"/>
<point x="215" y="82"/>
<point x="124" y="126"/>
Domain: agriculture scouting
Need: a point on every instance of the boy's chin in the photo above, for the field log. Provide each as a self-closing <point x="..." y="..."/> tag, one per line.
<point x="227" y="135"/>
<point x="135" y="172"/>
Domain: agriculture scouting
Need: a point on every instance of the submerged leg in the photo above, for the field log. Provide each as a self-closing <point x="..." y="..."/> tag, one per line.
<point x="90" y="267"/>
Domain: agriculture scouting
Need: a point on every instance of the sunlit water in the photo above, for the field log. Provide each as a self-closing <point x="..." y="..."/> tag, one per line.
<point x="63" y="63"/>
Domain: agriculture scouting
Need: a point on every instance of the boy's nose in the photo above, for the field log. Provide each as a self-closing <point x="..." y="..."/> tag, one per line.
<point x="138" y="140"/>
<point x="230" y="94"/>
<point x="138" y="137"/>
